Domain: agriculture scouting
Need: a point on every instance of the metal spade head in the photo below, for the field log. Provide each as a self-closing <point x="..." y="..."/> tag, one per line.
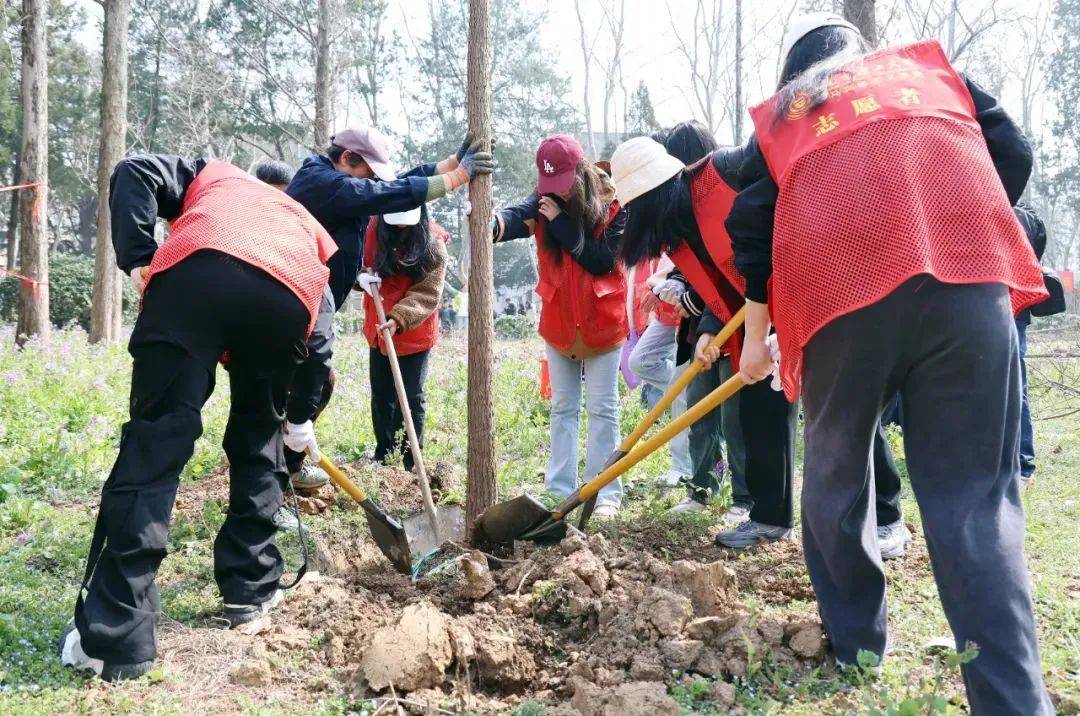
<point x="389" y="535"/>
<point x="422" y="539"/>
<point x="505" y="522"/>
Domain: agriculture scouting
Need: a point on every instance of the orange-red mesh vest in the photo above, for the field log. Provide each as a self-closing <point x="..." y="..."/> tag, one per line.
<point x="228" y="210"/>
<point x="889" y="178"/>
<point x="575" y="299"/>
<point x="393" y="289"/>
<point x="718" y="284"/>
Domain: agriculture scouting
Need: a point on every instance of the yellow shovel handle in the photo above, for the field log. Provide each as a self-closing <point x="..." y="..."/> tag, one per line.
<point x="342" y="480"/>
<point x="679" y="385"/>
<point x="676" y="426"/>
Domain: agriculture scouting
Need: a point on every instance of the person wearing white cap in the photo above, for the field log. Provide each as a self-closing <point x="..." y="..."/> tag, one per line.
<point x="876" y="230"/>
<point x="680" y="210"/>
<point x="405" y="255"/>
<point x="355" y="180"/>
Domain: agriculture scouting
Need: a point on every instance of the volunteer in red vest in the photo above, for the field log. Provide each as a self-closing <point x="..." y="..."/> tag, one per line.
<point x="242" y="274"/>
<point x="406" y="254"/>
<point x="681" y="211"/>
<point x="577" y="224"/>
<point x="343" y="189"/>
<point x="653" y="358"/>
<point x="878" y="233"/>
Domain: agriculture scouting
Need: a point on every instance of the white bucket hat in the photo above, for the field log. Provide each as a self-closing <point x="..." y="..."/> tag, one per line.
<point x="803" y="25"/>
<point x="640" y="165"/>
<point x="403" y="218"/>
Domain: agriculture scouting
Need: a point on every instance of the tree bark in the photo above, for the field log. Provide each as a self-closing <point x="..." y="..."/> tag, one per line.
<point x="13" y="224"/>
<point x="322" y="76"/>
<point x="737" y="121"/>
<point x="586" y="55"/>
<point x="480" y="486"/>
<point x="106" y="312"/>
<point x="34" y="166"/>
<point x="860" y="13"/>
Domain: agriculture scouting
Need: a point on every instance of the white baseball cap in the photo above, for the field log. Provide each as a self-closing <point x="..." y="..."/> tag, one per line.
<point x="403" y="218"/>
<point x="803" y="25"/>
<point x="639" y="165"/>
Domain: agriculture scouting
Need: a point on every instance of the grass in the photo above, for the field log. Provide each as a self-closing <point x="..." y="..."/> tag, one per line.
<point x="60" y="412"/>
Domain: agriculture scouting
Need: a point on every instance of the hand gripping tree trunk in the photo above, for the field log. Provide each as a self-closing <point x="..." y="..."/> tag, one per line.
<point x="106" y="311"/>
<point x="480" y="487"/>
<point x="860" y="13"/>
<point x="34" y="239"/>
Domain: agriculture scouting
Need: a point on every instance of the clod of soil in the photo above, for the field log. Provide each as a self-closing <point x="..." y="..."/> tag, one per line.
<point x="411" y="654"/>
<point x="636" y="698"/>
<point x="476" y="579"/>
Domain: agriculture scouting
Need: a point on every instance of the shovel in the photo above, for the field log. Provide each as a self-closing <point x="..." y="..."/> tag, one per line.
<point x="525" y="517"/>
<point x="388" y="533"/>
<point x="673" y="391"/>
<point x="410" y="429"/>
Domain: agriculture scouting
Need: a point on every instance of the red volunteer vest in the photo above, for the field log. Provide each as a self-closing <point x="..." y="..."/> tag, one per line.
<point x="719" y="284"/>
<point x="575" y="299"/>
<point x="665" y="312"/>
<point x="393" y="289"/>
<point x="888" y="179"/>
<point x="228" y="210"/>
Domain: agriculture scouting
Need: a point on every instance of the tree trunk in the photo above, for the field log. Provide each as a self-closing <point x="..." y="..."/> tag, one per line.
<point x="13" y="224"/>
<point x="860" y="13"/>
<point x="34" y="167"/>
<point x="586" y="55"/>
<point x="738" y="119"/>
<point x="480" y="486"/>
<point x="322" y="76"/>
<point x="107" y="309"/>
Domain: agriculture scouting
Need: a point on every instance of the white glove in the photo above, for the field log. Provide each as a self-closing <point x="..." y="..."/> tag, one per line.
<point x="138" y="278"/>
<point x="774" y="351"/>
<point x="366" y="280"/>
<point x="670" y="291"/>
<point x="301" y="438"/>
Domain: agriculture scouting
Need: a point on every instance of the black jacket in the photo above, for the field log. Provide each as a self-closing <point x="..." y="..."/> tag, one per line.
<point x="750" y="223"/>
<point x="343" y="205"/>
<point x="596" y="257"/>
<point x="148" y="186"/>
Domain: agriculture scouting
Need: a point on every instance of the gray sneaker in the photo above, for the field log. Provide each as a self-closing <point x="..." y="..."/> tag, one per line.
<point x="893" y="540"/>
<point x="750" y="533"/>
<point x="240" y="614"/>
<point x="285" y="519"/>
<point x="309" y="477"/>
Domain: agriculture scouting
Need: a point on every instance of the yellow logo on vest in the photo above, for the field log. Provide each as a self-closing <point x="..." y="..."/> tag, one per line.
<point x="826" y="123"/>
<point x="800" y="106"/>
<point x="865" y="105"/>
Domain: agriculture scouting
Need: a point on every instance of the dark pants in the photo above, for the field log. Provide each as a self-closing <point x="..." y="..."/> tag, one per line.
<point x="1027" y="430"/>
<point x="192" y="314"/>
<point x="386" y="415"/>
<point x="710" y="436"/>
<point x="765" y="422"/>
<point x="951" y="353"/>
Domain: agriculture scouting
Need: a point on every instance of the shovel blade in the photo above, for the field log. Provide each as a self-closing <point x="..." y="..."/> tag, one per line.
<point x="389" y="535"/>
<point x="505" y="522"/>
<point x="422" y="540"/>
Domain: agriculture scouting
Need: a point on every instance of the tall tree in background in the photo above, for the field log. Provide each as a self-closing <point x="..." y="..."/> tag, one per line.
<point x="323" y="72"/>
<point x="860" y="13"/>
<point x="587" y="48"/>
<point x="481" y="490"/>
<point x="107" y="306"/>
<point x="34" y="162"/>
<point x="703" y="50"/>
<point x="737" y="48"/>
<point x="640" y="115"/>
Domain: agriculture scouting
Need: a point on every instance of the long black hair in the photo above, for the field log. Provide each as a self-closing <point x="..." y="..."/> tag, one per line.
<point x="812" y="61"/>
<point x="662" y="217"/>
<point x="408" y="250"/>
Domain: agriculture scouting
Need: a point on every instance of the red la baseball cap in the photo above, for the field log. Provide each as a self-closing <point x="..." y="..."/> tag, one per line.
<point x="557" y="161"/>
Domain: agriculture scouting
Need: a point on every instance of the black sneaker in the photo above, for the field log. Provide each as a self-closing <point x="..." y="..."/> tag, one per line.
<point x="239" y="614"/>
<point x="71" y="654"/>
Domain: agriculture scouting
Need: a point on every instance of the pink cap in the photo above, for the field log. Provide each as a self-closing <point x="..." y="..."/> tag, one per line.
<point x="557" y="161"/>
<point x="372" y="145"/>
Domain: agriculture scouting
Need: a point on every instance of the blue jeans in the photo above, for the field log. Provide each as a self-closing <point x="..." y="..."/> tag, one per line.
<point x="1027" y="433"/>
<point x="653" y="361"/>
<point x="602" y="405"/>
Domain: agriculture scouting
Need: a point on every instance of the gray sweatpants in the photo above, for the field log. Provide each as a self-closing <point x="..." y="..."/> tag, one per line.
<point x="951" y="352"/>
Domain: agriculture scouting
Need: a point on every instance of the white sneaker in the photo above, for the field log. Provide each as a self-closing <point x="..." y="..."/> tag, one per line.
<point x="240" y="614"/>
<point x="688" y="505"/>
<point x="606" y="511"/>
<point x="893" y="540"/>
<point x="72" y="654"/>
<point x="736" y="515"/>
<point x="672" y="478"/>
